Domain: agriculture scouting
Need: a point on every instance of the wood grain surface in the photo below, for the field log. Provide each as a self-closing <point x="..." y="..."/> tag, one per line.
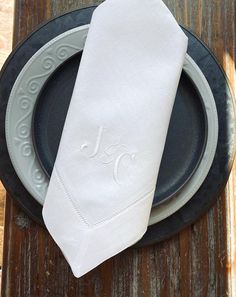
<point x="6" y="28"/>
<point x="199" y="262"/>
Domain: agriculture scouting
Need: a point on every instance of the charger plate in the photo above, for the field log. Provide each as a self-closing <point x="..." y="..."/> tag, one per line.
<point x="46" y="40"/>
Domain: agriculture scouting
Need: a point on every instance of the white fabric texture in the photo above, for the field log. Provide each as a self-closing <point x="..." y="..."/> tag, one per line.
<point x="102" y="186"/>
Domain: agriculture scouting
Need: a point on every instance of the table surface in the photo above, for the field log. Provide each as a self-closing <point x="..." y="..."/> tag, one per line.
<point x="199" y="261"/>
<point x="6" y="26"/>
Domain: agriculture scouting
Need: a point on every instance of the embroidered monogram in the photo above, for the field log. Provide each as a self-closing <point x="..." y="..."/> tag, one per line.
<point x="119" y="161"/>
<point x="97" y="144"/>
<point x="116" y="154"/>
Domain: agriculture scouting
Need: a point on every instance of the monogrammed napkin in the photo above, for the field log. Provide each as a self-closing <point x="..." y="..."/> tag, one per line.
<point x="102" y="186"/>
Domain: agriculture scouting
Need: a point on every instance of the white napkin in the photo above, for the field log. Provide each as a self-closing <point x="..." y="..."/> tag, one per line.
<point x="102" y="186"/>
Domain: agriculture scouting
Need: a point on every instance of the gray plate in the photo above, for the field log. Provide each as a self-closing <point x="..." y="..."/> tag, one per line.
<point x="185" y="142"/>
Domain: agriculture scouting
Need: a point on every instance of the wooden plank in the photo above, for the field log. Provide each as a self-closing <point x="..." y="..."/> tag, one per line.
<point x="2" y="208"/>
<point x="6" y="26"/>
<point x="197" y="262"/>
<point x="6" y="17"/>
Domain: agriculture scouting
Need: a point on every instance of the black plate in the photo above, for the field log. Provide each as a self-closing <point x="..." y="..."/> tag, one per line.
<point x="222" y="164"/>
<point x="185" y="141"/>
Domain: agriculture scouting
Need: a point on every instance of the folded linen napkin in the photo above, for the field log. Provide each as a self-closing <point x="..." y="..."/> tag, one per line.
<point x="102" y="186"/>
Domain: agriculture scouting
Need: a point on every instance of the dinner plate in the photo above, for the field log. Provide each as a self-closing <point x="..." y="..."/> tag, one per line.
<point x="188" y="126"/>
<point x="185" y="142"/>
<point x="213" y="82"/>
<point x="38" y="70"/>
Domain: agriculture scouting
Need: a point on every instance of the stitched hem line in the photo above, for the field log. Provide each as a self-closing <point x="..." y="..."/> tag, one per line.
<point x="69" y="197"/>
<point x="143" y="197"/>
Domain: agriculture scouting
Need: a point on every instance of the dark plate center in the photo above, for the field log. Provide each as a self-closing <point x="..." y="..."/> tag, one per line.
<point x="184" y="145"/>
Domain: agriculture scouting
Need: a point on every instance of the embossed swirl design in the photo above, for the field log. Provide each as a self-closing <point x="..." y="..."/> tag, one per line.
<point x="26" y="96"/>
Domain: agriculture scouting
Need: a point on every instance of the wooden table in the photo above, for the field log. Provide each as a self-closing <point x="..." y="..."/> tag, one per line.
<point x="200" y="261"/>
